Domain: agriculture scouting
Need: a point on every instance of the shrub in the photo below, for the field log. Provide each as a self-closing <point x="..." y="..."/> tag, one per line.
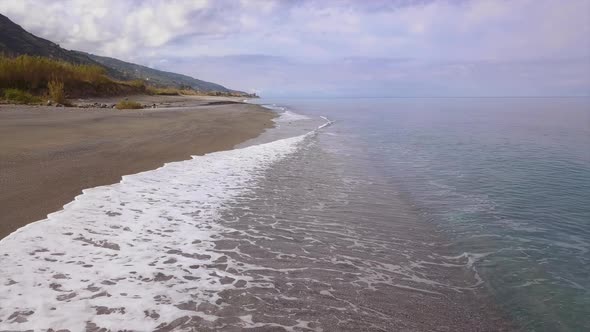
<point x="41" y="75"/>
<point x="163" y="91"/>
<point x="139" y="84"/>
<point x="128" y="105"/>
<point x="57" y="91"/>
<point x="20" y="97"/>
<point x="190" y="92"/>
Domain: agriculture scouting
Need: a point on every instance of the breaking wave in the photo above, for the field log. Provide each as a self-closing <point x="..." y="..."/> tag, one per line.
<point x="140" y="251"/>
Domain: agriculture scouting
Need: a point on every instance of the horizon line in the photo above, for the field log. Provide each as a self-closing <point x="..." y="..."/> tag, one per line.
<point x="410" y="97"/>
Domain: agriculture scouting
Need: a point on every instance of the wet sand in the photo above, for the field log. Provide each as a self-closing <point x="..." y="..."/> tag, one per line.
<point x="48" y="155"/>
<point x="310" y="243"/>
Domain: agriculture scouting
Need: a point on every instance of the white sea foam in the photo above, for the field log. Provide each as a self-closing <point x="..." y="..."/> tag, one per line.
<point x="132" y="254"/>
<point x="273" y="107"/>
<point x="327" y="123"/>
<point x="288" y="116"/>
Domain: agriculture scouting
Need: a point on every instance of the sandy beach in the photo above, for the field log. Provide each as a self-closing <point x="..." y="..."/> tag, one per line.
<point x="48" y="154"/>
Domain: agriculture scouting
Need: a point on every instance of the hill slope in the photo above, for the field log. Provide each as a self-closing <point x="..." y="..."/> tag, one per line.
<point x="131" y="71"/>
<point x="14" y="41"/>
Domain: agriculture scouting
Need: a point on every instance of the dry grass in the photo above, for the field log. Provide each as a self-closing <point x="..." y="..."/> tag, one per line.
<point x="186" y="92"/>
<point x="140" y="84"/>
<point x="163" y="91"/>
<point x="57" y="91"/>
<point x="59" y="80"/>
<point x="34" y="73"/>
<point x="190" y="92"/>
<point x="128" y="105"/>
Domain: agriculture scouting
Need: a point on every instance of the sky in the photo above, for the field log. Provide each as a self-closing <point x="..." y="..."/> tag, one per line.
<point x="362" y="48"/>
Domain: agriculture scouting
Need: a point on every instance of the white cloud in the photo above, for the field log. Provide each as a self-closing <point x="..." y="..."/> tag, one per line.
<point x="474" y="29"/>
<point x="318" y="34"/>
<point x="110" y="27"/>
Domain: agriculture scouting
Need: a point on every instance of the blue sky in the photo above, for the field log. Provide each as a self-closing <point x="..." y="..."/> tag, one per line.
<point x="336" y="48"/>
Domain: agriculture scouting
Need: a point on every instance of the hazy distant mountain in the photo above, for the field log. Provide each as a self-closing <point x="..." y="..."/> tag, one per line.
<point x="14" y="41"/>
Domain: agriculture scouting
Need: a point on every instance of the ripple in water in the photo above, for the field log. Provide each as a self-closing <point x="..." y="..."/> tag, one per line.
<point x="506" y="181"/>
<point x="278" y="236"/>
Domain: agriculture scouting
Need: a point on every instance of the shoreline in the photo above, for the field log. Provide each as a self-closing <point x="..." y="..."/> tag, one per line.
<point x="114" y="238"/>
<point x="74" y="245"/>
<point x="48" y="155"/>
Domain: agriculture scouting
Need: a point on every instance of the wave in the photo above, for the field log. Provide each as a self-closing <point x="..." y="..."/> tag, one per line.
<point x="273" y="107"/>
<point x="140" y="251"/>
<point x="327" y="123"/>
<point x="286" y="115"/>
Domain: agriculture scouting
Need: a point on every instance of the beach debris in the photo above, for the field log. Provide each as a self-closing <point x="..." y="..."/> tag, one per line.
<point x="96" y="105"/>
<point x="149" y="106"/>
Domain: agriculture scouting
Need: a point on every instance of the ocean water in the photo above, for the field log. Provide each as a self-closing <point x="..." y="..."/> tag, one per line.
<point x="505" y="180"/>
<point x="440" y="214"/>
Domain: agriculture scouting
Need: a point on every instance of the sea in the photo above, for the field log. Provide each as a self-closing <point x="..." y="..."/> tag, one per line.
<point x="352" y="214"/>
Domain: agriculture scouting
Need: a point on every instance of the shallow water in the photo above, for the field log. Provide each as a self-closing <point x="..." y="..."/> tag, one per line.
<point x="417" y="214"/>
<point x="505" y="180"/>
<point x="134" y="253"/>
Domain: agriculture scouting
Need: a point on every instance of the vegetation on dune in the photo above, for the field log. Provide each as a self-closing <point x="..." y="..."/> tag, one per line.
<point x="163" y="91"/>
<point x="188" y="92"/>
<point x="158" y="91"/>
<point x="128" y="105"/>
<point x="58" y="80"/>
<point x="20" y="97"/>
<point x="33" y="73"/>
<point x="139" y="84"/>
<point x="57" y="91"/>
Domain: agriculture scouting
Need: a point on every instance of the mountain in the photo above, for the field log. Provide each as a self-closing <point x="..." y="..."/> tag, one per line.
<point x="14" y="41"/>
<point x="131" y="71"/>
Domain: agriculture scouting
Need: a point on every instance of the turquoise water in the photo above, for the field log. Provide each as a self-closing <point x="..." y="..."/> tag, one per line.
<point x="507" y="180"/>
